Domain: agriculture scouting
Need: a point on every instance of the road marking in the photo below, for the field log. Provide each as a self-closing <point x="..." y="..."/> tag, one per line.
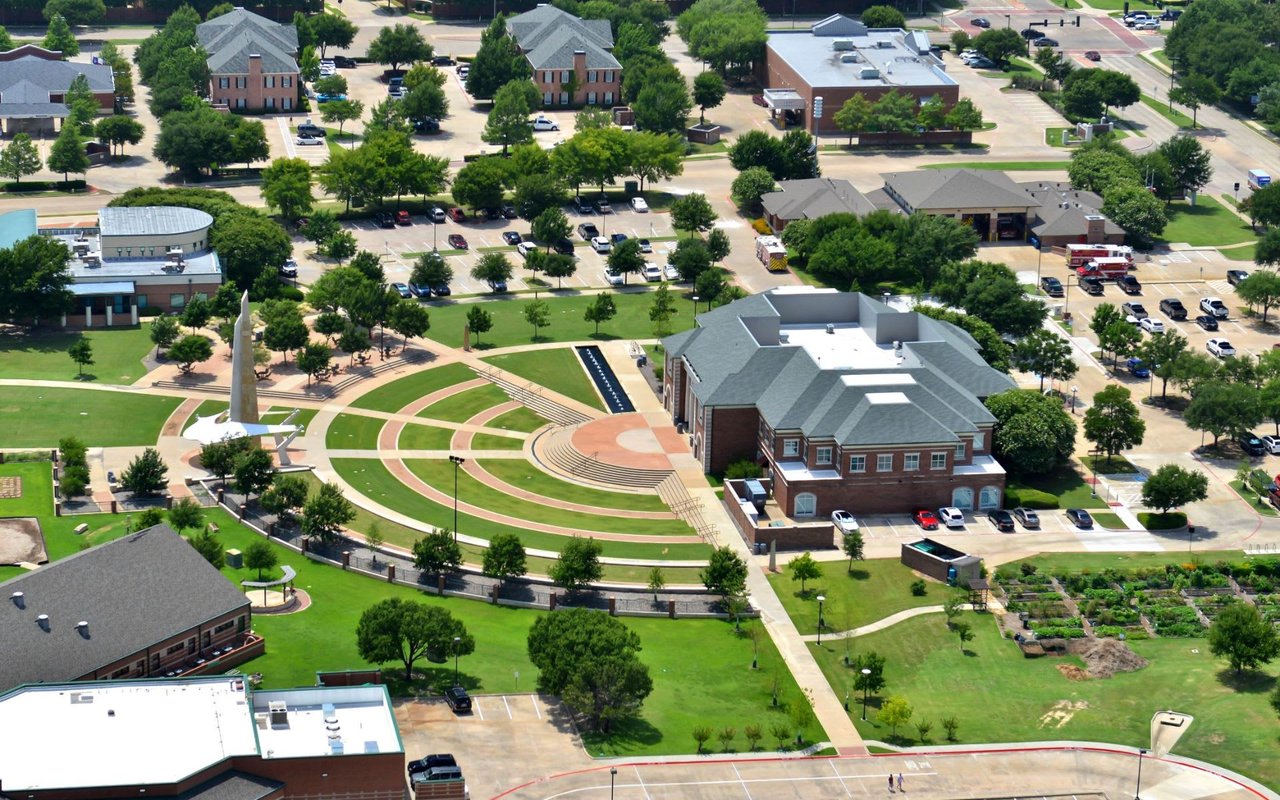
<point x="745" y="790"/>
<point x="842" y="783"/>
<point x="536" y="710"/>
<point x="508" y="707"/>
<point x="642" y="786"/>
<point x="475" y="705"/>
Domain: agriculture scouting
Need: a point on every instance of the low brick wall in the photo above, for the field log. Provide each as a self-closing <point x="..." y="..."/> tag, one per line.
<point x="787" y="537"/>
<point x="927" y="137"/>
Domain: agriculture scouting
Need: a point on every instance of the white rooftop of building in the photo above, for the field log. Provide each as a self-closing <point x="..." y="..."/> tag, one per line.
<point x="846" y="346"/>
<point x="347" y="720"/>
<point x="841" y="52"/>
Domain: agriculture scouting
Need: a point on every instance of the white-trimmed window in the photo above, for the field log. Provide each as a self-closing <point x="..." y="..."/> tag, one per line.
<point x="884" y="462"/>
<point x="960" y="452"/>
<point x="937" y="461"/>
<point x="806" y="505"/>
<point x="790" y="448"/>
<point x="608" y="98"/>
<point x="910" y="462"/>
<point x="979" y="441"/>
<point x="591" y="76"/>
<point x="564" y="98"/>
<point x="546" y="98"/>
<point x="591" y="98"/>
<point x="608" y="76"/>
<point x="564" y="76"/>
<point x="224" y="83"/>
<point x="857" y="463"/>
<point x="823" y="456"/>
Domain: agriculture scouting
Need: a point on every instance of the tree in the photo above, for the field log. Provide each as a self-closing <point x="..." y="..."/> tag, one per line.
<point x="1161" y="354"/>
<point x="219" y="458"/>
<point x="60" y="38"/>
<point x="1171" y="486"/>
<point x="1055" y="65"/>
<point x="578" y="565"/>
<point x="492" y="268"/>
<point x="710" y="284"/>
<point x="146" y="473"/>
<point x="663" y="106"/>
<point x="286" y="493"/>
<point x="964" y="116"/>
<point x="873" y="681"/>
<point x="342" y="112"/>
<point x="189" y="351"/>
<point x="895" y="112"/>
<point x="402" y="630"/>
<point x="1000" y="44"/>
<point x="504" y="558"/>
<point x="508" y="121"/>
<point x="479" y="184"/>
<point x="1261" y="288"/>
<point x="1112" y="423"/>
<point x="246" y="243"/>
<point x="437" y="552"/>
<point x="67" y="154"/>
<point x="117" y="130"/>
<point x="254" y="471"/>
<point x="600" y="309"/>
<point x="625" y="258"/>
<point x="592" y="661"/>
<point x="1223" y="408"/>
<point x="1045" y="354"/>
<point x="551" y="226"/>
<point x="1194" y="91"/>
<point x="896" y="710"/>
<point x="662" y="309"/>
<point x="692" y="212"/>
<point x="19" y="158"/>
<point x="314" y="358"/>
<point x="1119" y="339"/>
<point x="757" y="149"/>
<point x="164" y="332"/>
<point x="851" y="543"/>
<point x="725" y="573"/>
<point x="1189" y="165"/>
<point x="752" y="184"/>
<point x="535" y="194"/>
<point x="498" y="62"/>
<point x="963" y="631"/>
<point x="76" y="12"/>
<point x="1241" y="635"/>
<point x="286" y="185"/>
<point x="81" y="352"/>
<point x="656" y="582"/>
<point x="260" y="556"/>
<point x="1137" y="211"/>
<point x="803" y="569"/>
<point x="399" y="44"/>
<point x="479" y="321"/>
<point x="325" y="512"/>
<point x="653" y="156"/>
<point x="330" y="30"/>
<point x="286" y="331"/>
<point x="708" y="92"/>
<point x="196" y="313"/>
<point x="1033" y="434"/>
<point x="537" y="314"/>
<point x="883" y="17"/>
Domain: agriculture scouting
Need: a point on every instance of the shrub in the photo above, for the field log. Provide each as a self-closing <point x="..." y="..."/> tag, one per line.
<point x="1029" y="498"/>
<point x="918" y="588"/>
<point x="743" y="469"/>
<point x="73" y="481"/>
<point x="700" y="735"/>
<point x="761" y="227"/>
<point x="146" y="312"/>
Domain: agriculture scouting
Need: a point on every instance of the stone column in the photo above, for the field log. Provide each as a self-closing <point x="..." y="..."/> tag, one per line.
<point x="109" y="309"/>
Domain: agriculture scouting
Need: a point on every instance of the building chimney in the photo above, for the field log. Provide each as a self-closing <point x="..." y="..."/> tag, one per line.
<point x="43" y="622"/>
<point x="1095" y="228"/>
<point x="19" y="599"/>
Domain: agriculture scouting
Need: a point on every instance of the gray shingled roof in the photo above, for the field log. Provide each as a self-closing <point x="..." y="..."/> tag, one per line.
<point x="133" y="592"/>
<point x="233" y="785"/>
<point x="151" y="220"/>
<point x="793" y="392"/>
<point x="549" y="37"/>
<point x="811" y="198"/>
<point x="930" y="189"/>
<point x="27" y="82"/>
<point x="1053" y="219"/>
<point x="231" y="38"/>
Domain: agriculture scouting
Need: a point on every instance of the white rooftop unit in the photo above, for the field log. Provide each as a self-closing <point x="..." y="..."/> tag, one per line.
<point x="841" y="44"/>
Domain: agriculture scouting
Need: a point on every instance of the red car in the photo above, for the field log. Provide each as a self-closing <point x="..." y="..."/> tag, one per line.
<point x="458" y="243"/>
<point x="925" y="519"/>
<point x="402" y="218"/>
<point x="456" y="214"/>
<point x="758" y="99"/>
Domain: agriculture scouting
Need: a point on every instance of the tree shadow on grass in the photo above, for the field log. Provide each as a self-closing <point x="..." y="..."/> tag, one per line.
<point x="859" y="575"/>
<point x="625" y="734"/>
<point x="1251" y="681"/>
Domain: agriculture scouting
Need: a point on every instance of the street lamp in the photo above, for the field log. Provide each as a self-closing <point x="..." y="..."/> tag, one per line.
<point x="1075" y="390"/>
<point x="1007" y="23"/>
<point x="613" y="773"/>
<point x="1137" y="791"/>
<point x="695" y="299"/>
<point x="457" y="462"/>
<point x="457" y="642"/>
<point x="866" y="681"/>
<point x="821" y="600"/>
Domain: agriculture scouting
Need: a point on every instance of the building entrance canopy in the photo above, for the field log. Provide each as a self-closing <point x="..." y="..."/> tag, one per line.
<point x="783" y="99"/>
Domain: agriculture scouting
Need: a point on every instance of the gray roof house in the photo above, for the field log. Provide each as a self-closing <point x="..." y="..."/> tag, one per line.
<point x="1065" y="214"/>
<point x="549" y="38"/>
<point x="946" y="189"/>
<point x="811" y="198"/>
<point x="233" y="38"/>
<point x="131" y="594"/>
<point x="33" y="82"/>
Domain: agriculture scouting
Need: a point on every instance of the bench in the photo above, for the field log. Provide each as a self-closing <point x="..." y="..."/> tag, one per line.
<point x="82" y="528"/>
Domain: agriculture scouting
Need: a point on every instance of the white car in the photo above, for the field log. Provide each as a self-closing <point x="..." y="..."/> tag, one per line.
<point x="645" y="246"/>
<point x="1147" y="25"/>
<point x="1220" y="348"/>
<point x="612" y="278"/>
<point x="1152" y="325"/>
<point x="1214" y="307"/>
<point x="1272" y="443"/>
<point x="652" y="272"/>
<point x="601" y="244"/>
<point x="671" y="273"/>
<point x="544" y="124"/>
<point x="524" y="248"/>
<point x="844" y="521"/>
<point x="639" y="204"/>
<point x="308" y="139"/>
<point x="951" y="516"/>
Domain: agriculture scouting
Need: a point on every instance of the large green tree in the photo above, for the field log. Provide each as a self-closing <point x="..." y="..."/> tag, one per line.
<point x="497" y="62"/>
<point x="725" y="573"/>
<point x="1112" y="422"/>
<point x="20" y="158"/>
<point x="398" y="45"/>
<point x="1240" y="634"/>
<point x="286" y="185"/>
<point x="1045" y="354"/>
<point x="578" y="564"/>
<point x="402" y="630"/>
<point x="508" y="122"/>
<point x="1172" y="486"/>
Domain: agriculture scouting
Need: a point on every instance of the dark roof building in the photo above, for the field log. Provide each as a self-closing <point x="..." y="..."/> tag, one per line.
<point x="252" y="61"/>
<point x="811" y="198"/>
<point x="1069" y="216"/>
<point x="145" y="604"/>
<point x="549" y="37"/>
<point x="34" y="83"/>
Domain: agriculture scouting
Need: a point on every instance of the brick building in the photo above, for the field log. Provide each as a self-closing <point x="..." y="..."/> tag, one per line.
<point x="840" y="57"/>
<point x="34" y="84"/>
<point x="810" y="198"/>
<point x="847" y="403"/>
<point x="146" y="605"/>
<point x="211" y="738"/>
<point x="251" y="61"/>
<point x="572" y="58"/>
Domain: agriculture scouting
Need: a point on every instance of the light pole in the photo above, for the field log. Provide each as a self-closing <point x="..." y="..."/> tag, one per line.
<point x="1137" y="791"/>
<point x="695" y="299"/>
<point x="866" y="681"/>
<point x="457" y="641"/>
<point x="1007" y="23"/>
<point x="457" y="462"/>
<point x="1039" y="258"/>
<point x="1075" y="390"/>
<point x="613" y="773"/>
<point x="821" y="600"/>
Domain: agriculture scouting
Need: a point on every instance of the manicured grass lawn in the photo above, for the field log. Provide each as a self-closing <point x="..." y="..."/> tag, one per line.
<point x="1251" y="497"/>
<point x="371" y="478"/>
<point x="1103" y="519"/>
<point x="1016" y="66"/>
<point x="1246" y="253"/>
<point x="521" y="473"/>
<point x="1208" y="223"/>
<point x="353" y="432"/>
<point x="425" y="437"/>
<point x="117" y="355"/>
<point x="440" y="473"/>
<point x="1162" y="522"/>
<point x="276" y="414"/>
<point x="875" y="589"/>
<point x="1116" y="465"/>
<point x="396" y="395"/>
<point x="567" y="324"/>
<point x="463" y="406"/>
<point x="999" y="696"/>
<point x="489" y="441"/>
<point x="1162" y="108"/>
<point x="1006" y="166"/>
<point x="1053" y="137"/>
<point x="1071" y="489"/>
<point x="560" y="370"/>
<point x="1096" y="562"/>
<point x="1118" y="5"/>
<point x="39" y="417"/>
<point x="517" y="419"/>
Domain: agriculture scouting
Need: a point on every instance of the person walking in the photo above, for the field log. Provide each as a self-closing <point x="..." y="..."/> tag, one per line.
<point x="891" y="781"/>
<point x="904" y="791"/>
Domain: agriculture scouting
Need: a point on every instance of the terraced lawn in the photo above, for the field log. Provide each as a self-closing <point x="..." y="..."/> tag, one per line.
<point x="425" y="437"/>
<point x="439" y="473"/>
<point x="463" y="406"/>
<point x="489" y="441"/>
<point x="372" y="478"/>
<point x="518" y="419"/>
<point x="396" y="395"/>
<point x="523" y="474"/>
<point x="559" y="370"/>
<point x="40" y="416"/>
<point x="353" y="432"/>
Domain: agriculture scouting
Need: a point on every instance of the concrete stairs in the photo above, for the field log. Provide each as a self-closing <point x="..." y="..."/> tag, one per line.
<point x="553" y="448"/>
<point x="530" y="396"/>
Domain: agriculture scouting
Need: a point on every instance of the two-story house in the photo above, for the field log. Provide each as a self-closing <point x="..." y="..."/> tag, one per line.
<point x="572" y="58"/>
<point x="847" y="403"/>
<point x="251" y="61"/>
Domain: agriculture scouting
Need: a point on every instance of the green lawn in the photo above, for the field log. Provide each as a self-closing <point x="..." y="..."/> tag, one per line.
<point x="567" y="324"/>
<point x="1096" y="562"/>
<point x="425" y="437"/>
<point x="117" y="355"/>
<point x="521" y="473"/>
<point x="1246" y="253"/>
<point x="874" y="590"/>
<point x="1005" y="166"/>
<point x="1104" y="519"/>
<point x="1162" y="108"/>
<point x="997" y="695"/>
<point x="518" y="419"/>
<point x="489" y="441"/>
<point x="559" y="370"/>
<point x="1119" y="5"/>
<point x="1206" y="224"/>
<point x="279" y="413"/>
<point x="371" y="478"/>
<point x="1071" y="489"/>
<point x="353" y="432"/>
<point x="396" y="395"/>
<point x="463" y="406"/>
<point x="1251" y="497"/>
<point x="1053" y="137"/>
<point x="1016" y="66"/>
<point x="440" y="473"/>
<point x="39" y="417"/>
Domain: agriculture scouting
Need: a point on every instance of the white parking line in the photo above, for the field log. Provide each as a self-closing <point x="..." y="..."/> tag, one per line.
<point x="508" y="707"/>
<point x="745" y="790"/>
<point x="841" y="779"/>
<point x="642" y="786"/>
<point x="536" y="710"/>
<point x="475" y="706"/>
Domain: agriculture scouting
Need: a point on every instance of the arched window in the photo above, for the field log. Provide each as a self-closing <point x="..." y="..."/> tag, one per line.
<point x="989" y="497"/>
<point x="806" y="505"/>
<point x="962" y="498"/>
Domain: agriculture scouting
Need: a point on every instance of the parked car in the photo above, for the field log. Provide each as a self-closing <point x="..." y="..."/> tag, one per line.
<point x="1135" y="310"/>
<point x="511" y="237"/>
<point x="612" y="278"/>
<point x="925" y="519"/>
<point x="457" y="242"/>
<point x="420" y="290"/>
<point x="435" y="760"/>
<point x="544" y="124"/>
<point x="1207" y="322"/>
<point x="1079" y="517"/>
<point x="442" y="61"/>
<point x="1220" y="347"/>
<point x="758" y="99"/>
<point x="343" y="62"/>
<point x="336" y="97"/>
<point x="493" y="213"/>
<point x="1171" y="14"/>
<point x="844" y="521"/>
<point x="1137" y="368"/>
<point x="1091" y="285"/>
<point x="1051" y="287"/>
<point x="289" y="269"/>
<point x="441" y="289"/>
<point x="458" y="700"/>
<point x="980" y="22"/>
<point x="616" y="238"/>
<point x="498" y="287"/>
<point x="1129" y="285"/>
<point x="951" y="516"/>
<point x="588" y="231"/>
<point x="982" y="62"/>
<point x="464" y="70"/>
<point x="1173" y="309"/>
<point x="426" y="125"/>
<point x="1027" y="517"/>
<point x="583" y="206"/>
<point x="1214" y="306"/>
<point x="509" y="212"/>
<point x="402" y="290"/>
<point x="525" y="248"/>
<point x="1031" y="34"/>
<point x="652" y="272"/>
<point x="1093" y="55"/>
<point x="386" y="219"/>
<point x="1272" y="443"/>
<point x="307" y="139"/>
<point x="1044" y="41"/>
<point x="645" y="246"/>
<point x="403" y="218"/>
<point x="439" y="774"/>
<point x="601" y="244"/>
<point x="1251" y="444"/>
<point x="671" y="273"/>
<point x="309" y="128"/>
<point x="564" y="247"/>
<point x="1151" y="325"/>
<point x="639" y="204"/>
<point x="1147" y="25"/>
<point x="1001" y="519"/>
<point x="1234" y="276"/>
<point x="436" y="214"/>
<point x="457" y="214"/>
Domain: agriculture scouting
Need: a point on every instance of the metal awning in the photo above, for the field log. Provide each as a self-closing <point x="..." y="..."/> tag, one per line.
<point x="783" y="99"/>
<point x="97" y="289"/>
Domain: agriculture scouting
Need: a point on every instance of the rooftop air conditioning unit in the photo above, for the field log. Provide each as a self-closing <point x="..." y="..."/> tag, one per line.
<point x="850" y="58"/>
<point x="884" y="44"/>
<point x="842" y="44"/>
<point x="831" y="328"/>
<point x="869" y="73"/>
<point x="279" y="713"/>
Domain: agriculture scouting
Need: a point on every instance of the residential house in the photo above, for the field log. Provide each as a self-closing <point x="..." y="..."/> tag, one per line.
<point x="251" y="62"/>
<point x="572" y="58"/>
<point x="33" y="87"/>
